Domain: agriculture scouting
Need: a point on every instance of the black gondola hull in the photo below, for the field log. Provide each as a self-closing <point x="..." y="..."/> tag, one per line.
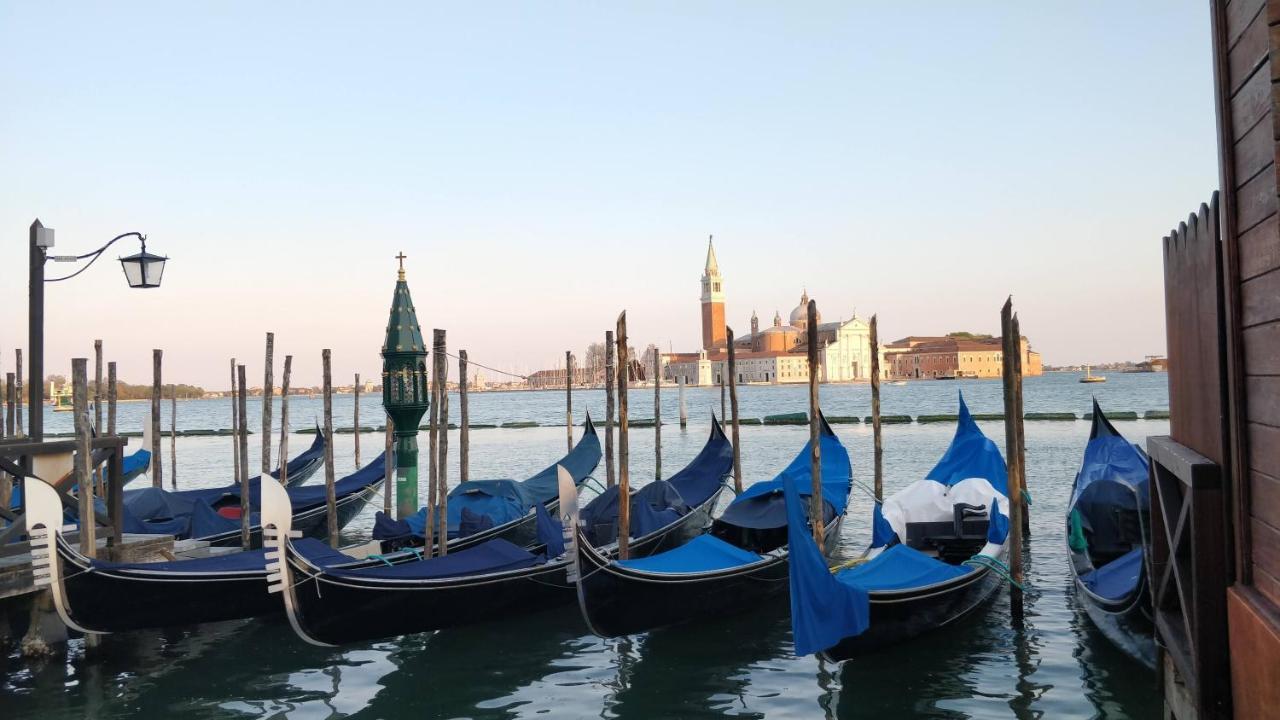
<point x="1126" y="623"/>
<point x="616" y="601"/>
<point x="313" y="522"/>
<point x="900" y="616"/>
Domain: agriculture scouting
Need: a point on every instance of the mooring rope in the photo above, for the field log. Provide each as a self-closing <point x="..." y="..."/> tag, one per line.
<point x="486" y="367"/>
<point x="996" y="566"/>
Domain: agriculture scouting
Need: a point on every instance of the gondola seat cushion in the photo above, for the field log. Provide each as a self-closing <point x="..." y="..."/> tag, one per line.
<point x="704" y="553"/>
<point x="901" y="567"/>
<point x="1118" y="578"/>
<point x="496" y="555"/>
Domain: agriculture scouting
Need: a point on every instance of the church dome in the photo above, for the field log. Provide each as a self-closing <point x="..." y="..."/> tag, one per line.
<point x="800" y="316"/>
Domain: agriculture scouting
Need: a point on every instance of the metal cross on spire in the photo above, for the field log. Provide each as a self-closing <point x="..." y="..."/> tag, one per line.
<point x="401" y="258"/>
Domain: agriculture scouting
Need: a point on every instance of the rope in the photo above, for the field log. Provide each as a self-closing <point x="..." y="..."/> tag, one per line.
<point x="1026" y="496"/>
<point x="995" y="566"/>
<point x="486" y="367"/>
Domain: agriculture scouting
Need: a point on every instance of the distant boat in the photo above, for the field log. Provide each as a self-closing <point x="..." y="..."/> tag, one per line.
<point x="1089" y="377"/>
<point x="898" y="382"/>
<point x="60" y="399"/>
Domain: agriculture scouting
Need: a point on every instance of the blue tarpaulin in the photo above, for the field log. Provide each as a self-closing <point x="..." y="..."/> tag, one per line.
<point x="316" y="551"/>
<point x="762" y="505"/>
<point x="901" y="567"/>
<point x="1118" y="578"/>
<point x="500" y="500"/>
<point x="881" y="531"/>
<point x="550" y="532"/>
<point x="997" y="524"/>
<point x="1110" y="458"/>
<point x="704" y="553"/>
<point x="971" y="455"/>
<point x="823" y="611"/>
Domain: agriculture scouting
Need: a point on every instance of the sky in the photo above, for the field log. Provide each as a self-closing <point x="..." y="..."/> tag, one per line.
<point x="545" y="166"/>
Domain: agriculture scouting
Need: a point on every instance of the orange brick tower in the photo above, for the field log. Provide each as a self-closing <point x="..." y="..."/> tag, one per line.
<point x="713" y="332"/>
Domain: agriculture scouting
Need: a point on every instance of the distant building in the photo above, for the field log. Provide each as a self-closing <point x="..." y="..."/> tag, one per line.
<point x="955" y="357"/>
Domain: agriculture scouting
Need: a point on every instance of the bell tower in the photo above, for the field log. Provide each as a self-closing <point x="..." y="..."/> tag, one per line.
<point x="713" y="327"/>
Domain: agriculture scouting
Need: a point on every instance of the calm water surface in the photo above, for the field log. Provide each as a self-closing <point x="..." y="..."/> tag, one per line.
<point x="546" y="665"/>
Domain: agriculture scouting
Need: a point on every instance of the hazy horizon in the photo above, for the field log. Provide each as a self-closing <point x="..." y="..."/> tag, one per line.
<point x="546" y="167"/>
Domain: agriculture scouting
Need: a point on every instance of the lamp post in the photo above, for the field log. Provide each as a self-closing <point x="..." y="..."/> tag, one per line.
<point x="141" y="270"/>
<point x="404" y="390"/>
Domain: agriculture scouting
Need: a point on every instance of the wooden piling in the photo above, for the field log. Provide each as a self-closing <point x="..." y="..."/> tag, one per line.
<point x="568" y="399"/>
<point x="9" y="392"/>
<point x="877" y="447"/>
<point x="433" y="438"/>
<point x="464" y="421"/>
<point x="815" y="426"/>
<point x="173" y="436"/>
<point x="657" y="414"/>
<point x="330" y="498"/>
<point x="610" y="372"/>
<point x="723" y="411"/>
<point x="242" y="454"/>
<point x="157" y="459"/>
<point x="684" y="414"/>
<point x="284" y="422"/>
<point x="83" y="457"/>
<point x="624" y="484"/>
<point x="112" y="393"/>
<point x="97" y="386"/>
<point x="17" y="392"/>
<point x="443" y="465"/>
<point x="1022" y="437"/>
<point x="388" y="470"/>
<point x="355" y="417"/>
<point x="267" y="389"/>
<point x="1009" y="367"/>
<point x="235" y="426"/>
<point x="733" y="408"/>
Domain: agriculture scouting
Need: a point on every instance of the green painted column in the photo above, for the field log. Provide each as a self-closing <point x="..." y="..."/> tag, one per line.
<point x="404" y="390"/>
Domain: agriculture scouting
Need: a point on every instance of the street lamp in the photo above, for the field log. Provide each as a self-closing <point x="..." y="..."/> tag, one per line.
<point x="141" y="270"/>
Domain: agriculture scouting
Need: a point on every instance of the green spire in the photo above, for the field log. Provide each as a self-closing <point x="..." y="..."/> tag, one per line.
<point x="403" y="333"/>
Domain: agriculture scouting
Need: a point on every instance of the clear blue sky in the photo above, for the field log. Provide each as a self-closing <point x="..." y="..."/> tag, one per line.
<point x="545" y="165"/>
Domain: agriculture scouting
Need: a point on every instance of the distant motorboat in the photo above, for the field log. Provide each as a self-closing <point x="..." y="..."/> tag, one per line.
<point x="898" y="382"/>
<point x="1089" y="377"/>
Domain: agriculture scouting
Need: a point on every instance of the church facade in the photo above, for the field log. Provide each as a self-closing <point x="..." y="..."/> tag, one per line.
<point x="775" y="354"/>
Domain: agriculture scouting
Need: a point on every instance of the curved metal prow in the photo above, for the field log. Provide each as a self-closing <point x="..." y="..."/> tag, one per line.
<point x="277" y="531"/>
<point x="44" y="526"/>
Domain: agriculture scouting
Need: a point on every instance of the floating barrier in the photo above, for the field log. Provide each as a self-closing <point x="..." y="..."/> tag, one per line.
<point x="924" y="419"/>
<point x="1049" y="416"/>
<point x="1156" y="415"/>
<point x="749" y="421"/>
<point x="844" y="420"/>
<point x="1114" y="415"/>
<point x="891" y="419"/>
<point x="519" y="424"/>
<point x="787" y="419"/>
<point x="640" y="422"/>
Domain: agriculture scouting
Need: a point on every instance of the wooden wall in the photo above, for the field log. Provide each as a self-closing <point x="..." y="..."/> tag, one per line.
<point x="1246" y="35"/>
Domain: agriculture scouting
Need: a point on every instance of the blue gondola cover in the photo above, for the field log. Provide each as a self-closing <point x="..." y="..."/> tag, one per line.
<point x="901" y="567"/>
<point x="998" y="525"/>
<point x="971" y="454"/>
<point x="550" y="532"/>
<point x="493" y="556"/>
<point x="823" y="611"/>
<point x="704" y="553"/>
<point x="762" y="505"/>
<point x="881" y="531"/>
<point x="1116" y="579"/>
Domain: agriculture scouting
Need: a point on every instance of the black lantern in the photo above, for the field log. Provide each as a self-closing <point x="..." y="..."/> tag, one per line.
<point x="143" y="270"/>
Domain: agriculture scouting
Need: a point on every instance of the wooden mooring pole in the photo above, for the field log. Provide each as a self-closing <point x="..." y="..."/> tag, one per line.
<point x="235" y="426"/>
<point x="684" y="413"/>
<point x="443" y="465"/>
<point x="464" y="421"/>
<point x="723" y="371"/>
<point x="267" y="389"/>
<point x="568" y="399"/>
<point x="112" y="394"/>
<point x="17" y="391"/>
<point x="610" y="373"/>
<point x="733" y="409"/>
<point x="815" y="427"/>
<point x="242" y="454"/>
<point x="284" y="421"/>
<point x="9" y="391"/>
<point x="157" y="459"/>
<point x="330" y="499"/>
<point x="877" y="445"/>
<point x="433" y="437"/>
<point x="657" y="414"/>
<point x="1009" y="367"/>
<point x="97" y="386"/>
<point x="624" y="484"/>
<point x="83" y="456"/>
<point x="355" y="417"/>
<point x="173" y="436"/>
<point x="1022" y="437"/>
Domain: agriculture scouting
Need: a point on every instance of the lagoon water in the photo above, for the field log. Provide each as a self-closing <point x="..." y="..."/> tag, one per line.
<point x="547" y="665"/>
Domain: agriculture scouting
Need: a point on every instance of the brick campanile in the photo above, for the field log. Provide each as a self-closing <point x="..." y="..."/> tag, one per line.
<point x="713" y="328"/>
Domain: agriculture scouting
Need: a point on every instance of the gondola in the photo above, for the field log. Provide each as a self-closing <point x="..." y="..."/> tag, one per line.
<point x="496" y="578"/>
<point x="98" y="596"/>
<point x="1106" y="538"/>
<point x="739" y="563"/>
<point x="483" y="510"/>
<point x="950" y="563"/>
<point x="213" y="514"/>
